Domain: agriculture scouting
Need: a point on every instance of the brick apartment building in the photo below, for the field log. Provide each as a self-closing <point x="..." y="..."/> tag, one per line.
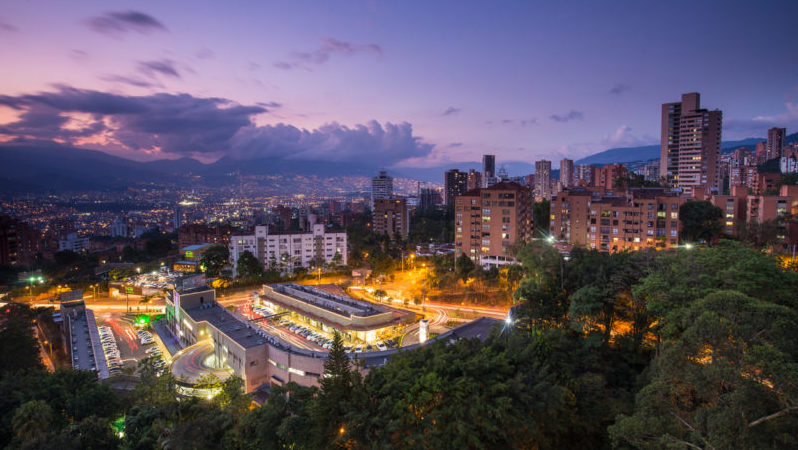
<point x="489" y="221"/>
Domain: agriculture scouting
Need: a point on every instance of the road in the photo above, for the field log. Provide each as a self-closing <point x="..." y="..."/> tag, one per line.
<point x="130" y="348"/>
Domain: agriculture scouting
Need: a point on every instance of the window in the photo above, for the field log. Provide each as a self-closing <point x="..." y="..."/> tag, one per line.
<point x="674" y="215"/>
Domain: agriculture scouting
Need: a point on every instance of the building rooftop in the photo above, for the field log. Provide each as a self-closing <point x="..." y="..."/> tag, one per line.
<point x="339" y="304"/>
<point x="195" y="247"/>
<point x="234" y="327"/>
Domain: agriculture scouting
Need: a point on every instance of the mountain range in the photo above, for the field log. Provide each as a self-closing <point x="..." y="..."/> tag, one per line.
<point x="57" y="168"/>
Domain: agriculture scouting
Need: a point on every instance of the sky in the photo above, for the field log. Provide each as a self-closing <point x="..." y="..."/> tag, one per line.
<point x="396" y="84"/>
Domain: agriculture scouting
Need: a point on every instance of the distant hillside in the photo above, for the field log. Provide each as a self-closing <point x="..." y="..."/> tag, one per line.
<point x="648" y="152"/>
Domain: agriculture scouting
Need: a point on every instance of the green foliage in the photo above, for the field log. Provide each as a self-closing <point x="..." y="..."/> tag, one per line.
<point x="248" y="267"/>
<point x="464" y="266"/>
<point x="19" y="349"/>
<point x="701" y="221"/>
<point x="214" y="259"/>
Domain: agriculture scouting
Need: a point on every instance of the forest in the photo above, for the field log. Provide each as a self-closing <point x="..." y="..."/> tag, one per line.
<point x="691" y="348"/>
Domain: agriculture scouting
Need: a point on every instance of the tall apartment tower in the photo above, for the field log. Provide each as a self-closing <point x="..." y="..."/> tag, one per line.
<point x="489" y="222"/>
<point x="488" y="170"/>
<point x="392" y="217"/>
<point x="690" y="145"/>
<point x="474" y="179"/>
<point x="454" y="183"/>
<point x="567" y="172"/>
<point x="381" y="187"/>
<point x="543" y="179"/>
<point x="775" y="145"/>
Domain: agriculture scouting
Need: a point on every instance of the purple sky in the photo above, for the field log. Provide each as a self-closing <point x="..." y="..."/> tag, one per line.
<point x="404" y="84"/>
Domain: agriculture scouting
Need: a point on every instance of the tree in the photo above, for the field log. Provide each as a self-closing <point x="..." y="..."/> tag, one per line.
<point x="541" y="215"/>
<point x="728" y="380"/>
<point x="464" y="266"/>
<point x="248" y="267"/>
<point x="214" y="259"/>
<point x="701" y="220"/>
<point x="335" y="399"/>
<point x="32" y="419"/>
<point x="18" y="347"/>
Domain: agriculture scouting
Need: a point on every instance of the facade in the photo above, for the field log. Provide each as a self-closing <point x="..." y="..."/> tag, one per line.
<point x="454" y="183"/>
<point x="474" y="180"/>
<point x="775" y="144"/>
<point x="583" y="174"/>
<point x="640" y="218"/>
<point x="488" y="170"/>
<point x="193" y="234"/>
<point x="381" y="187"/>
<point x="608" y="177"/>
<point x="690" y="145"/>
<point x="543" y="179"/>
<point x="286" y="251"/>
<point x="74" y="243"/>
<point x="489" y="221"/>
<point x="19" y="242"/>
<point x="391" y="217"/>
<point x="567" y="173"/>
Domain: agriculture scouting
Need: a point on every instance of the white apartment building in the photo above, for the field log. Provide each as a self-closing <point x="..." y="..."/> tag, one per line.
<point x="290" y="250"/>
<point x="74" y="243"/>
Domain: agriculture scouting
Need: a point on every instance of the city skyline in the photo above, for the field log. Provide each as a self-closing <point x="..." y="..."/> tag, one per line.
<point x="383" y="84"/>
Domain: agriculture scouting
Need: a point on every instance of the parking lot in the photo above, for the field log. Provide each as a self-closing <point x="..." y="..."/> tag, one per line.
<point x="124" y="345"/>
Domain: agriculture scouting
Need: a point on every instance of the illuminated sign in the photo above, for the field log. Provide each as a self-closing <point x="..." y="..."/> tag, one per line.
<point x="189" y="254"/>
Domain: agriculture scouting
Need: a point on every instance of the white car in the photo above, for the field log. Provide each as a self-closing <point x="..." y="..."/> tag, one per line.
<point x="381" y="346"/>
<point x="358" y="349"/>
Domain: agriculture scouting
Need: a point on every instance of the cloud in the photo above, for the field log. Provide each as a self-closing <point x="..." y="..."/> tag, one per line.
<point x="204" y="53"/>
<point x="184" y="125"/>
<point x="6" y="27"/>
<point x="120" y="22"/>
<point x="162" y="67"/>
<point x="623" y="137"/>
<point x="455" y="144"/>
<point x="619" y="89"/>
<point x="571" y="115"/>
<point x="329" y="46"/>
<point x="78" y="55"/>
<point x="451" y="111"/>
<point x="132" y="81"/>
<point x="758" y="126"/>
<point x="272" y="105"/>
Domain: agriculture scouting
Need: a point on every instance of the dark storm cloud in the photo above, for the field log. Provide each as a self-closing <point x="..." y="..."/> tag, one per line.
<point x="451" y="111"/>
<point x="119" y="22"/>
<point x="571" y="115"/>
<point x="329" y="46"/>
<point x="186" y="125"/>
<point x="163" y="67"/>
<point x="619" y="89"/>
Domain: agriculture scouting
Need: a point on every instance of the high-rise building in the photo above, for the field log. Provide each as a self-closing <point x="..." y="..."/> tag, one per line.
<point x="474" y="180"/>
<point x="567" y="172"/>
<point x="490" y="221"/>
<point x="488" y="170"/>
<point x="583" y="174"/>
<point x="690" y="146"/>
<point x="543" y="179"/>
<point x="392" y="217"/>
<point x="19" y="242"/>
<point x="455" y="183"/>
<point x="381" y="187"/>
<point x="775" y="145"/>
<point x="429" y="198"/>
<point x="610" y="177"/>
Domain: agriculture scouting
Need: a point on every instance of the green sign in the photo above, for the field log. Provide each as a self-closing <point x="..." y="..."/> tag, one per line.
<point x="129" y="289"/>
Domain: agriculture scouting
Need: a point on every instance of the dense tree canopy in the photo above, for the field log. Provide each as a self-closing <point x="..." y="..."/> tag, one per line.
<point x="700" y="221"/>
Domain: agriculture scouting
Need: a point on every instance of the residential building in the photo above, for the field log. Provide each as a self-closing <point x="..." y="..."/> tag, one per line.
<point x="489" y="221"/>
<point x="381" y="187"/>
<point x="429" y="198"/>
<point x="543" y="179"/>
<point x="74" y="243"/>
<point x="19" y="242"/>
<point x="611" y="177"/>
<point x="454" y="183"/>
<point x="474" y="180"/>
<point x="488" y="170"/>
<point x="775" y="143"/>
<point x="651" y="170"/>
<point x="690" y="145"/>
<point x="761" y="152"/>
<point x="287" y="251"/>
<point x="195" y="233"/>
<point x="639" y="218"/>
<point x="392" y="217"/>
<point x="584" y="174"/>
<point x="567" y="173"/>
